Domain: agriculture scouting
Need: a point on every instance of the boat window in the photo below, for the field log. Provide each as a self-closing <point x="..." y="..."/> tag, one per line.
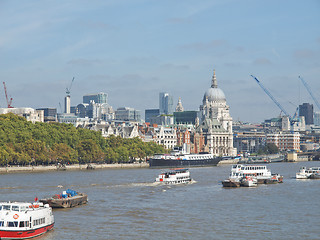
<point x="15" y="208"/>
<point x="21" y="224"/>
<point x="23" y="208"/>
<point x="1" y="223"/>
<point x="0" y="207"/>
<point x="13" y="224"/>
<point x="6" y="207"/>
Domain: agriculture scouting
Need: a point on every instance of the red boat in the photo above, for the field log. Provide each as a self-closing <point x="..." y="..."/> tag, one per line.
<point x="24" y="220"/>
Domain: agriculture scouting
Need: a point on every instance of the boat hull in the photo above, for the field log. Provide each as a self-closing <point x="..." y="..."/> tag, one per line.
<point x="25" y="234"/>
<point x="229" y="183"/>
<point x="184" y="163"/>
<point x="66" y="202"/>
<point x="314" y="176"/>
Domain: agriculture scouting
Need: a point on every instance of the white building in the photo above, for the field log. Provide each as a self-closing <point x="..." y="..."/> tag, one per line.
<point x="165" y="136"/>
<point x="30" y="114"/>
<point x="216" y="122"/>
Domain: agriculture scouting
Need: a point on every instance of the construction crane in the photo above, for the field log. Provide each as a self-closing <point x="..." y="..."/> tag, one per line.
<point x="272" y="98"/>
<point x="310" y="92"/>
<point x="9" y="101"/>
<point x="68" y="90"/>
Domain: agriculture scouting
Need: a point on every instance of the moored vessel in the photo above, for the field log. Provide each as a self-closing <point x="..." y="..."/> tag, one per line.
<point x="174" y="176"/>
<point x="67" y="199"/>
<point x="20" y="220"/>
<point x="305" y="173"/>
<point x="231" y="182"/>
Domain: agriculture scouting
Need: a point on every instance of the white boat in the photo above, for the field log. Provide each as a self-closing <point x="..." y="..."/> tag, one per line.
<point x="260" y="172"/>
<point x="174" y="176"/>
<point x="305" y="173"/>
<point x="24" y="220"/>
<point x="249" y="181"/>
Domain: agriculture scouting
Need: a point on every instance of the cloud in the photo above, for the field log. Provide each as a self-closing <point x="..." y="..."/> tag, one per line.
<point x="204" y="46"/>
<point x="170" y="66"/>
<point x="84" y="62"/>
<point x="304" y="53"/>
<point x="262" y="61"/>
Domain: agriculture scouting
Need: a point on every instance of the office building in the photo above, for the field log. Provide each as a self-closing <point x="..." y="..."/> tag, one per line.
<point x="127" y="114"/>
<point x="97" y="98"/>
<point x="165" y="103"/>
<point x="306" y="110"/>
<point x="149" y="113"/>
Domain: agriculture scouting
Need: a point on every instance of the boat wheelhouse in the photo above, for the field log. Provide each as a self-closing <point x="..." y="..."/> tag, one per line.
<point x="305" y="173"/>
<point x="174" y="176"/>
<point x="24" y="220"/>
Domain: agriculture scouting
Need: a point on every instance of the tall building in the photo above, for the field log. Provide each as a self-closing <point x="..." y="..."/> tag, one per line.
<point x="67" y="104"/>
<point x="97" y="98"/>
<point x="306" y="110"/>
<point x="215" y="122"/>
<point x="149" y="113"/>
<point x="317" y="118"/>
<point x="165" y="103"/>
<point x="127" y="114"/>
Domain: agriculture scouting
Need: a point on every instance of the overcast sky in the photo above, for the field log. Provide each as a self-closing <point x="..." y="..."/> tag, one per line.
<point x="134" y="49"/>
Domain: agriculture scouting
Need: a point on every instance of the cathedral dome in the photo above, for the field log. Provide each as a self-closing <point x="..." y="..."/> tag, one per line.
<point x="214" y="93"/>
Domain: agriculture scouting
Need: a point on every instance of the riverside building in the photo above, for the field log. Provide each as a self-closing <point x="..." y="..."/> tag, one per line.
<point x="215" y="124"/>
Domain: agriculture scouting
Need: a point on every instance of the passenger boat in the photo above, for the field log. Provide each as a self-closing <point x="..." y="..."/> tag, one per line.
<point x="174" y="176"/>
<point x="20" y="220"/>
<point x="305" y="173"/>
<point x="261" y="172"/>
<point x="184" y="160"/>
<point x="180" y="158"/>
<point x="249" y="181"/>
<point x="67" y="199"/>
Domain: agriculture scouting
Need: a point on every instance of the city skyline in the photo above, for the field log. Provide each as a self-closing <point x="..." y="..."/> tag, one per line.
<point x="133" y="50"/>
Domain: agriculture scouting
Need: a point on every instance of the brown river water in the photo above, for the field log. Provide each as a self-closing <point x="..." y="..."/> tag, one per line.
<point x="127" y="204"/>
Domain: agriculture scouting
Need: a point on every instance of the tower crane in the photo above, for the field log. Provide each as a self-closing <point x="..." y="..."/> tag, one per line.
<point x="272" y="98"/>
<point x="68" y="90"/>
<point x="9" y="101"/>
<point x="310" y="92"/>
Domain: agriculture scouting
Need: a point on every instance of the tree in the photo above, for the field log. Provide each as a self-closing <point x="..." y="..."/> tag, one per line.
<point x="89" y="151"/>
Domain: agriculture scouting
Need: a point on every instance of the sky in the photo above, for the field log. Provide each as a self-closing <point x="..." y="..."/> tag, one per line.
<point x="134" y="49"/>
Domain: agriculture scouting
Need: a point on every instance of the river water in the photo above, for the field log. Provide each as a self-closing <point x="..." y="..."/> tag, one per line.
<point x="126" y="204"/>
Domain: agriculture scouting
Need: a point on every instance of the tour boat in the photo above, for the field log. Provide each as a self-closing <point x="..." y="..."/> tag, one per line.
<point x="67" y="199"/>
<point x="174" y="176"/>
<point x="305" y="173"/>
<point x="261" y="172"/>
<point x="249" y="181"/>
<point x="24" y="220"/>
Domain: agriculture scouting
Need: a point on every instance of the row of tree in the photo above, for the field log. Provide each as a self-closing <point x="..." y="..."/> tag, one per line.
<point x="24" y="143"/>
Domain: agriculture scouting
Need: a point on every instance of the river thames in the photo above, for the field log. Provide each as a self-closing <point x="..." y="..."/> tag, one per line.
<point x="126" y="204"/>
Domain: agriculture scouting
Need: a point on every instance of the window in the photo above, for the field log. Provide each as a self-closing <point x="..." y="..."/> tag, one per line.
<point x="21" y="224"/>
<point x="6" y="207"/>
<point x="12" y="224"/>
<point x="15" y="208"/>
<point x="1" y="223"/>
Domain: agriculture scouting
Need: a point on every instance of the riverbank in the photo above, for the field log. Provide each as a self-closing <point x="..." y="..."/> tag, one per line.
<point x="72" y="167"/>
